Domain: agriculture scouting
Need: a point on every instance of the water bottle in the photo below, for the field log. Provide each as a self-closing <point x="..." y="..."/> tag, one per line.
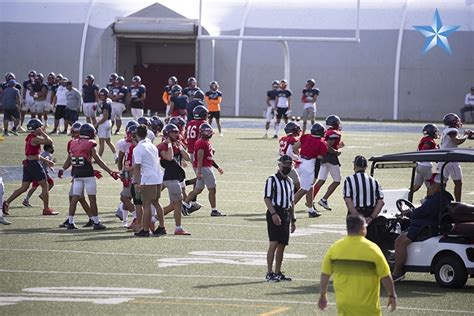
<point x="398" y="229"/>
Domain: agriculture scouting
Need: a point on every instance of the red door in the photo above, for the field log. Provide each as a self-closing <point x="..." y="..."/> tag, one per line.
<point x="155" y="78"/>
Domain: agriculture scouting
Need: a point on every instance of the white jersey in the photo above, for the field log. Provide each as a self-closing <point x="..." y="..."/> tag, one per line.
<point x="446" y="141"/>
<point x="61" y="95"/>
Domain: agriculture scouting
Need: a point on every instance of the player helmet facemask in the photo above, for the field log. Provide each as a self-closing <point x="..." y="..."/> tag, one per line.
<point x="452" y="120"/>
<point x="156" y="124"/>
<point x="34" y="124"/>
<point x="169" y="129"/>
<point x="206" y="131"/>
<point x="200" y="113"/>
<point x="431" y="130"/>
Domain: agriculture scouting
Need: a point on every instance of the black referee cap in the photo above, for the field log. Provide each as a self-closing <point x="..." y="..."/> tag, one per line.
<point x="285" y="159"/>
<point x="360" y="161"/>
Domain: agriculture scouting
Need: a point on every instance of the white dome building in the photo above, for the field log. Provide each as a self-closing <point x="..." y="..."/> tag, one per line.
<point x="377" y="71"/>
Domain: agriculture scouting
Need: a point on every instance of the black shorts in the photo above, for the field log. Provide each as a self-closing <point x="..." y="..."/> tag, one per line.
<point x="281" y="112"/>
<point x="60" y="112"/>
<point x="11" y="114"/>
<point x="420" y="233"/>
<point x="281" y="233"/>
<point x="136" y="197"/>
<point x="71" y="115"/>
<point x="216" y="115"/>
<point x="33" y="171"/>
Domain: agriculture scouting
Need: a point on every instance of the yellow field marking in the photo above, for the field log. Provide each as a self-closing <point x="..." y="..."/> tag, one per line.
<point x="183" y="302"/>
<point x="275" y="311"/>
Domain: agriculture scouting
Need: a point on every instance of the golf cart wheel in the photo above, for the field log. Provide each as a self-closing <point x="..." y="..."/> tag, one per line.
<point x="450" y="272"/>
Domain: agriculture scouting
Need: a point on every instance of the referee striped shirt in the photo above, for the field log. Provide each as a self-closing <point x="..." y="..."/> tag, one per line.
<point x="362" y="189"/>
<point x="280" y="191"/>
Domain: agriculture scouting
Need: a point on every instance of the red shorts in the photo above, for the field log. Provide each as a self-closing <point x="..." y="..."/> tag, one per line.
<point x="35" y="184"/>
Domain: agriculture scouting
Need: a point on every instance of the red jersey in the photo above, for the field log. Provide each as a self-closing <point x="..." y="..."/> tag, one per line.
<point x="30" y="149"/>
<point x="285" y="143"/>
<point x="192" y="133"/>
<point x="205" y="145"/>
<point x="312" y="147"/>
<point x="427" y="143"/>
<point x="80" y="151"/>
<point x="335" y="136"/>
<point x="129" y="155"/>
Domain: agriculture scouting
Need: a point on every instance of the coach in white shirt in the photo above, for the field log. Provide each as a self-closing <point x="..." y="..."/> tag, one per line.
<point x="59" y="103"/>
<point x="468" y="105"/>
<point x="148" y="177"/>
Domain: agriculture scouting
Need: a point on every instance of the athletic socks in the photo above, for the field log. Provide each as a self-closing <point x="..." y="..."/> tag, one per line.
<point x="277" y="129"/>
<point x="95" y="219"/>
<point x="153" y="219"/>
<point x="71" y="219"/>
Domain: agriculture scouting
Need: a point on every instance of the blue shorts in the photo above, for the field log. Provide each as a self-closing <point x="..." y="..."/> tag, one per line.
<point x="11" y="114"/>
<point x="33" y="171"/>
<point x="71" y="115"/>
<point x="420" y="233"/>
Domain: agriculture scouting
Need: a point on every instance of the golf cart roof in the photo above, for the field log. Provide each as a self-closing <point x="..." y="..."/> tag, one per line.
<point x="434" y="155"/>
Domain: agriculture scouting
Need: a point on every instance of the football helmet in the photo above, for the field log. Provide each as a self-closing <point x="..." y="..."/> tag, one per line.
<point x="156" y="124"/>
<point x="311" y="82"/>
<point x="39" y="76"/>
<point x="34" y="124"/>
<point x="121" y="79"/>
<point x="334" y="121"/>
<point x="113" y="76"/>
<point x="200" y="113"/>
<point x="206" y="131"/>
<point x="32" y="73"/>
<point x="87" y="130"/>
<point x="136" y="79"/>
<point x="431" y="130"/>
<point x="170" y="128"/>
<point x="292" y="128"/>
<point x="59" y="77"/>
<point x="131" y="132"/>
<point x="90" y="77"/>
<point x="143" y="121"/>
<point x="192" y="80"/>
<point x="172" y="80"/>
<point x="52" y="75"/>
<point x="130" y="123"/>
<point x="452" y="120"/>
<point x="275" y="83"/>
<point x="212" y="83"/>
<point x="75" y="128"/>
<point x="103" y="92"/>
<point x="177" y="89"/>
<point x="318" y="129"/>
<point x="11" y="76"/>
<point x="198" y="94"/>
<point x="178" y="121"/>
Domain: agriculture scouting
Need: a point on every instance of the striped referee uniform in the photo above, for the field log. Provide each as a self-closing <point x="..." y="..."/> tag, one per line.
<point x="364" y="191"/>
<point x="280" y="191"/>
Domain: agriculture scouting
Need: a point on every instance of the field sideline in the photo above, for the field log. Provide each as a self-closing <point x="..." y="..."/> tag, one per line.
<point x="220" y="269"/>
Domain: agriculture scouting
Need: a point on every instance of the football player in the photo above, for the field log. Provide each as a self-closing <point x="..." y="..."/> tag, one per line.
<point x="272" y="96"/>
<point x="137" y="97"/>
<point x="118" y="95"/>
<point x="451" y="137"/>
<point x="330" y="163"/>
<point x="112" y="81"/>
<point x="39" y="93"/>
<point x="293" y="132"/>
<point x="202" y="164"/>
<point x="191" y="88"/>
<point x="213" y="101"/>
<point x="177" y="103"/>
<point x="424" y="169"/>
<point x="81" y="153"/>
<point x="195" y="101"/>
<point x="52" y="87"/>
<point x="27" y="97"/>
<point x="171" y="154"/>
<point x="172" y="81"/>
<point x="309" y="97"/>
<point x="32" y="168"/>
<point x="90" y="96"/>
<point x="312" y="148"/>
<point x="104" y="125"/>
<point x="59" y="104"/>
<point x="147" y="122"/>
<point x="283" y="105"/>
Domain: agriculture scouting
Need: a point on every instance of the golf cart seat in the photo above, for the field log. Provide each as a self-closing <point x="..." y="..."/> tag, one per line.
<point x="458" y="220"/>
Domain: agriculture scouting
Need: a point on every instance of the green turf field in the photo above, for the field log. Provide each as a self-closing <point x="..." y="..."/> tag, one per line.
<point x="220" y="269"/>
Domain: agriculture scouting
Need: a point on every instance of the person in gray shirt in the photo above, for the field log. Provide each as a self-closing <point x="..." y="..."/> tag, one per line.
<point x="73" y="104"/>
<point x="11" y="107"/>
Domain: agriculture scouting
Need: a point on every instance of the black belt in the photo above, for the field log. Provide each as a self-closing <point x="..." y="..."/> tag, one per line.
<point x="366" y="211"/>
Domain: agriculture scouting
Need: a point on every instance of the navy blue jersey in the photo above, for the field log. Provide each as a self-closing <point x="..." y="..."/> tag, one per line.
<point x="110" y="86"/>
<point x="135" y="94"/>
<point x="105" y="105"/>
<point x="88" y="93"/>
<point x="310" y="92"/>
<point x="121" y="92"/>
<point x="28" y="85"/>
<point x="284" y="93"/>
<point x="272" y="94"/>
<point x="213" y="95"/>
<point x="188" y="91"/>
<point x="190" y="107"/>
<point x="179" y="102"/>
<point x="37" y="87"/>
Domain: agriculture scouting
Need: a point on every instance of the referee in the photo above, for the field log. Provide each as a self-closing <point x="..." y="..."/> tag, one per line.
<point x="363" y="195"/>
<point x="278" y="198"/>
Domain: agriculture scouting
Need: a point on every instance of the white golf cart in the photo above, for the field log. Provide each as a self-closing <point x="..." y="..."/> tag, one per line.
<point x="449" y="256"/>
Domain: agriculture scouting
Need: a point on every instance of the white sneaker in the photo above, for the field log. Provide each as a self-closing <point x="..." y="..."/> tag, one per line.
<point x="325" y="204"/>
<point x="4" y="221"/>
<point x="221" y="135"/>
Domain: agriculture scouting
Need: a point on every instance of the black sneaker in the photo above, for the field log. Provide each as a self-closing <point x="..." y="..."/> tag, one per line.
<point x="90" y="223"/>
<point x="271" y="277"/>
<point x="71" y="226"/>
<point x="217" y="213"/>
<point x="282" y="277"/>
<point x="184" y="210"/>
<point x="397" y="278"/>
<point x="99" y="226"/>
<point x="14" y="132"/>
<point x="143" y="233"/>
<point x="64" y="224"/>
<point x="314" y="214"/>
<point x="160" y="231"/>
<point x="193" y="208"/>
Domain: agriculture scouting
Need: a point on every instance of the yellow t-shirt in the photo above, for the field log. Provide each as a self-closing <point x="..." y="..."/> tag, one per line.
<point x="356" y="265"/>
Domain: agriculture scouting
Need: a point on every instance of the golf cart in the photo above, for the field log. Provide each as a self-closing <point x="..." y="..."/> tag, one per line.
<point x="450" y="255"/>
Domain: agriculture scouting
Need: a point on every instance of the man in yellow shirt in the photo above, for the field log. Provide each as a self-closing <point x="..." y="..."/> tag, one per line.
<point x="357" y="266"/>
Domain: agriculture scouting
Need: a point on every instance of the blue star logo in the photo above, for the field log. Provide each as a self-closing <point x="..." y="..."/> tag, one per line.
<point x="437" y="34"/>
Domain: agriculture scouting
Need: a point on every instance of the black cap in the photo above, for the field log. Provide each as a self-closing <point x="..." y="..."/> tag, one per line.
<point x="285" y="159"/>
<point x="360" y="161"/>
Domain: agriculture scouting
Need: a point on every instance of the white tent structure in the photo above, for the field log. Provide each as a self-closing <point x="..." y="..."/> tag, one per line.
<point x="384" y="75"/>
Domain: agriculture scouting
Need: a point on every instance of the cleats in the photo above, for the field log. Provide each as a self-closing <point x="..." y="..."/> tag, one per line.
<point x="142" y="233"/>
<point x="99" y="226"/>
<point x="90" y="223"/>
<point x="160" y="231"/>
<point x="64" y="224"/>
<point x="4" y="221"/>
<point x="118" y="213"/>
<point x="324" y="204"/>
<point x="181" y="232"/>
<point x="314" y="214"/>
<point x="217" y="213"/>
<point x="71" y="226"/>
<point x="26" y="203"/>
<point x="282" y="277"/>
<point x="271" y="277"/>
<point x="49" y="212"/>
